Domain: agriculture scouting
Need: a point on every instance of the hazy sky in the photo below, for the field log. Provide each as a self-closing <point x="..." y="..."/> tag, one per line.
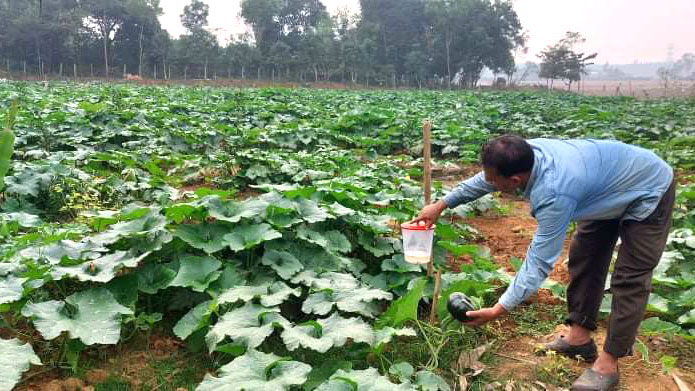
<point x="621" y="31"/>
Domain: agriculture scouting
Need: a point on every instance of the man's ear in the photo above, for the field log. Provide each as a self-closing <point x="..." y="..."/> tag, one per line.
<point x="517" y="180"/>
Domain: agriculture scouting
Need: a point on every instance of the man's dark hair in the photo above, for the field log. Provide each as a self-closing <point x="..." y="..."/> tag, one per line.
<point x="508" y="154"/>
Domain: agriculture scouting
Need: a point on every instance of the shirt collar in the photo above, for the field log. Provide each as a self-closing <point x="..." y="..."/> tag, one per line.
<point x="534" y="174"/>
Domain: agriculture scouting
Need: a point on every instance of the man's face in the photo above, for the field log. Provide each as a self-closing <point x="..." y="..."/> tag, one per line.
<point x="500" y="182"/>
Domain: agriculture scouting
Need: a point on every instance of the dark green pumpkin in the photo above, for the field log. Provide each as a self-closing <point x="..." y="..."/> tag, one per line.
<point x="458" y="304"/>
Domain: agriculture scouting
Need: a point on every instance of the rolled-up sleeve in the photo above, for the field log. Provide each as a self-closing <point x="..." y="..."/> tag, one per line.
<point x="553" y="218"/>
<point x="468" y="190"/>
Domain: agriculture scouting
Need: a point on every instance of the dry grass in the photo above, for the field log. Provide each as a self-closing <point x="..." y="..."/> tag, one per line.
<point x="641" y="89"/>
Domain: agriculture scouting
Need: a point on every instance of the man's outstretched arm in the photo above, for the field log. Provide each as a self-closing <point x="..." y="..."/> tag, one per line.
<point x="553" y="220"/>
<point x="466" y="191"/>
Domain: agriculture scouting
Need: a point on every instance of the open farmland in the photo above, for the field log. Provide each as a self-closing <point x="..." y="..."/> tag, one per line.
<point x="253" y="234"/>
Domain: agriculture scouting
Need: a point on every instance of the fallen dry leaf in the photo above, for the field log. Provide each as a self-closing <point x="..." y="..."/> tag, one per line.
<point x="469" y="358"/>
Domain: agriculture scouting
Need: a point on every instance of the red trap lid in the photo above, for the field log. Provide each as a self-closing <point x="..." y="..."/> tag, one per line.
<point x="417" y="226"/>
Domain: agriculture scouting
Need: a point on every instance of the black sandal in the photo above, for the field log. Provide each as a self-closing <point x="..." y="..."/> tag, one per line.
<point x="586" y="352"/>
<point x="591" y="380"/>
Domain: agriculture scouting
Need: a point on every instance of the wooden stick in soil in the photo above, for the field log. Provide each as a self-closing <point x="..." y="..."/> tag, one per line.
<point x="427" y="184"/>
<point x="435" y="295"/>
<point x="427" y="177"/>
<point x="682" y="386"/>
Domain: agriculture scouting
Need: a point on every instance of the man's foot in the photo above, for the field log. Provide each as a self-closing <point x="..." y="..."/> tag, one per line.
<point x="591" y="380"/>
<point x="586" y="351"/>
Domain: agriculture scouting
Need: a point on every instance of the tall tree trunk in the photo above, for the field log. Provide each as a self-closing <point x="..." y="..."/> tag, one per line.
<point x="448" y="60"/>
<point x="38" y="53"/>
<point x="106" y="54"/>
<point x="142" y="30"/>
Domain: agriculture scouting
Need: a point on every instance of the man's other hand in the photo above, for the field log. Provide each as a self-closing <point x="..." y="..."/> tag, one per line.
<point x="430" y="213"/>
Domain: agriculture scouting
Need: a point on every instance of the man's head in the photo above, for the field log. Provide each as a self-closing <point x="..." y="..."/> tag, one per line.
<point x="507" y="162"/>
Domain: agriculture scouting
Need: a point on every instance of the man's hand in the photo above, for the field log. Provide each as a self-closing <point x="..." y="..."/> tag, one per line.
<point x="430" y="213"/>
<point x="485" y="315"/>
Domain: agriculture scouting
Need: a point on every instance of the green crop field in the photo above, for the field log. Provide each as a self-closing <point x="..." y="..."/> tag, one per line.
<point x="259" y="228"/>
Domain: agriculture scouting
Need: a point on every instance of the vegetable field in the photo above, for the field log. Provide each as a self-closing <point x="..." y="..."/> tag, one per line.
<point x="260" y="228"/>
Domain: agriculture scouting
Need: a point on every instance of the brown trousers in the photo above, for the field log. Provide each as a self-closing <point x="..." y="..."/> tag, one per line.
<point x="591" y="249"/>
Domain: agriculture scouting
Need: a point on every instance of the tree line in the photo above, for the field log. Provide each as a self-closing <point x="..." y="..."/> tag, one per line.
<point x="391" y="42"/>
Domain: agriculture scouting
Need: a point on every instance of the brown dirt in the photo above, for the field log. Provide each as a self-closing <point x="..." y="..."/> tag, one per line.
<point x="517" y="359"/>
<point x="509" y="236"/>
<point x="196" y="186"/>
<point x="133" y="363"/>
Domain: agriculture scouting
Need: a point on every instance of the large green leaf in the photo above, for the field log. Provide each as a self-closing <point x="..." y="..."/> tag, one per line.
<point x="233" y="212"/>
<point x="657" y="304"/>
<point x="658" y="326"/>
<point x="204" y="236"/>
<point x="246" y="236"/>
<point x="384" y="335"/>
<point x="282" y="217"/>
<point x="378" y="246"/>
<point x="311" y="212"/>
<point x="363" y="380"/>
<point x="688" y="318"/>
<point x="398" y="264"/>
<point x="324" y="334"/>
<point x="428" y="381"/>
<point x="197" y="318"/>
<point x="151" y="224"/>
<point x="15" y="359"/>
<point x="270" y="294"/>
<point x="404" y="308"/>
<point x="229" y="278"/>
<point x="11" y="289"/>
<point x="154" y="277"/>
<point x="249" y="326"/>
<point x="93" y="316"/>
<point x="315" y="258"/>
<point x="402" y="371"/>
<point x="341" y="290"/>
<point x="332" y="241"/>
<point x="23" y="184"/>
<point x="102" y="269"/>
<point x="183" y="210"/>
<point x="257" y="371"/>
<point x="284" y="263"/>
<point x="197" y="272"/>
<point x="56" y="252"/>
<point x="26" y="220"/>
<point x="320" y="374"/>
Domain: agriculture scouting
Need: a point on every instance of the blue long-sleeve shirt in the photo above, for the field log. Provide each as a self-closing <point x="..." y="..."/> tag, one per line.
<point x="575" y="180"/>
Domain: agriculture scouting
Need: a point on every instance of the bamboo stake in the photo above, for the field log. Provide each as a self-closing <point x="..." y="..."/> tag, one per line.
<point x="427" y="179"/>
<point x="435" y="296"/>
<point x="427" y="184"/>
<point x="682" y="386"/>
